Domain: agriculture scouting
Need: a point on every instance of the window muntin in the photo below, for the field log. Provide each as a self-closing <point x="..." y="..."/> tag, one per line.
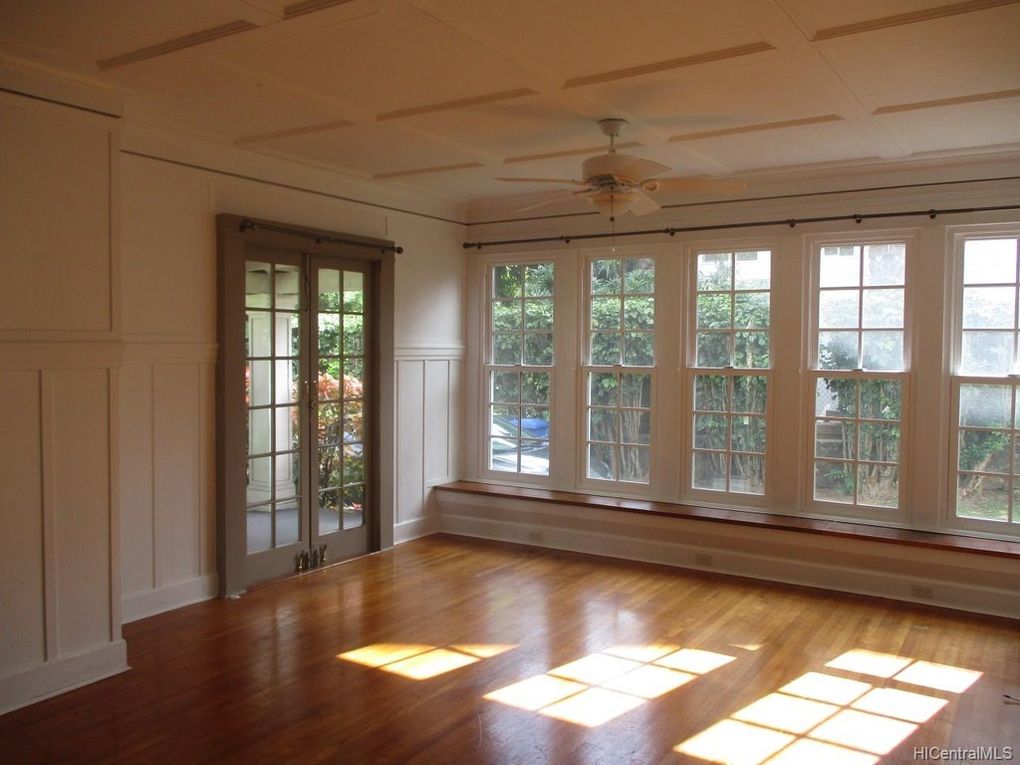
<point x="990" y="309"/>
<point x="988" y="453"/>
<point x="732" y="309"/>
<point x="729" y="426"/>
<point x="859" y="374"/>
<point x="519" y="376"/>
<point x="620" y="311"/>
<point x="857" y="435"/>
<point x="619" y="426"/>
<point x="986" y="450"/>
<point x="861" y="306"/>
<point x="731" y="319"/>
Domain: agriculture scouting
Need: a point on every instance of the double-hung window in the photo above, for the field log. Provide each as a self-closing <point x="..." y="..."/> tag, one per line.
<point x="858" y="373"/>
<point x="520" y="367"/>
<point x="986" y="386"/>
<point x="729" y="370"/>
<point x="618" y="373"/>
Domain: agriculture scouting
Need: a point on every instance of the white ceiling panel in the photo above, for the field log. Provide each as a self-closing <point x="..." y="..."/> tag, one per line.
<point x="199" y="95"/>
<point x="91" y="30"/>
<point x="770" y="87"/>
<point x="370" y="149"/>
<point x="809" y="144"/>
<point x="578" y="37"/>
<point x="397" y="59"/>
<point x="531" y="125"/>
<point x="814" y="15"/>
<point x="953" y="127"/>
<point x="946" y="58"/>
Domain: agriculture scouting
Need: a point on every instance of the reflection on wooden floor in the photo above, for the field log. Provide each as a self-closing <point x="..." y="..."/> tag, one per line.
<point x="456" y="651"/>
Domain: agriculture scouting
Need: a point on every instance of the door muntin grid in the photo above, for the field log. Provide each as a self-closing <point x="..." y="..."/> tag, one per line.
<point x="275" y="486"/>
<point x="340" y="400"/>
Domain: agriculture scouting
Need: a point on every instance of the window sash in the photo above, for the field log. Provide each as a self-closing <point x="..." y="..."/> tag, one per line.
<point x="585" y="442"/>
<point x="861" y="289"/>
<point x="730" y="332"/>
<point x="855" y="507"/>
<point x="689" y="448"/>
<point x="491" y="365"/>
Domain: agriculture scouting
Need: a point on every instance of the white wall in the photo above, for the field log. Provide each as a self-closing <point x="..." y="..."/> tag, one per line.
<point x="59" y="371"/>
<point x="169" y="307"/>
<point x="107" y="366"/>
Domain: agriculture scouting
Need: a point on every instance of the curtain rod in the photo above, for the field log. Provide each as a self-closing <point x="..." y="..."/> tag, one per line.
<point x="791" y="222"/>
<point x="247" y="224"/>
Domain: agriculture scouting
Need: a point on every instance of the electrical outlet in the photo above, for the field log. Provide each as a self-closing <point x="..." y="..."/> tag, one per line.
<point x="534" y="535"/>
<point x="703" y="559"/>
<point x="925" y="591"/>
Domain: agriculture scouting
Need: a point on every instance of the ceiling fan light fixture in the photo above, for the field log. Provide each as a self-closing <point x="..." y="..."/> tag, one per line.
<point x="613" y="203"/>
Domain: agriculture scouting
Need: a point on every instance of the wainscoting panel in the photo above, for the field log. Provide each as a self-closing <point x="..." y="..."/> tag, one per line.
<point x="167" y="436"/>
<point x="428" y="434"/>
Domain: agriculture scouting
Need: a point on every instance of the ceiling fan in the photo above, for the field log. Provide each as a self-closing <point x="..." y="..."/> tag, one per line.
<point x="615" y="184"/>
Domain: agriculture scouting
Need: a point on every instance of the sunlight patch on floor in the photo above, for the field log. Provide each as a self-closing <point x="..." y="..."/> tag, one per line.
<point x="421" y="662"/>
<point x="383" y="653"/>
<point x="825" y="718"/>
<point x="430" y="664"/>
<point x="600" y="687"/>
<point x="869" y="663"/>
<point x="735" y="743"/>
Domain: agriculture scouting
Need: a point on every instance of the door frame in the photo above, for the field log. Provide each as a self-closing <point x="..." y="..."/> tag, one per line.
<point x="233" y="239"/>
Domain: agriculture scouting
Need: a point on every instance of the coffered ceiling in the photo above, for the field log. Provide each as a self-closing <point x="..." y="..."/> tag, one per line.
<point x="445" y="95"/>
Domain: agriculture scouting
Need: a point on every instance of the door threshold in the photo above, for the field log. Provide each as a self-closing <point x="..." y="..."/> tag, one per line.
<point x="299" y="574"/>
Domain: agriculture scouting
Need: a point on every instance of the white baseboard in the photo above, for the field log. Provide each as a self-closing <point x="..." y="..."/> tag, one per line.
<point x="61" y="675"/>
<point x="413" y="529"/>
<point x="784" y="560"/>
<point x="139" y="605"/>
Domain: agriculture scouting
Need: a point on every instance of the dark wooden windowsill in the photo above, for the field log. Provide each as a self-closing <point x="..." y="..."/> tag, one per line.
<point x="845" y="529"/>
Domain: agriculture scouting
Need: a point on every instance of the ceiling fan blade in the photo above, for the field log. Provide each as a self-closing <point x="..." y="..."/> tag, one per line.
<point x="543" y="180"/>
<point x="560" y="196"/>
<point x="643" y="204"/>
<point x="638" y="169"/>
<point x="707" y="185"/>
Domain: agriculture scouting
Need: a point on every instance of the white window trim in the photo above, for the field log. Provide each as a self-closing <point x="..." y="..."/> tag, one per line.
<point x="584" y="367"/>
<point x="685" y="424"/>
<point x="903" y="514"/>
<point x="948" y="520"/>
<point x="486" y="366"/>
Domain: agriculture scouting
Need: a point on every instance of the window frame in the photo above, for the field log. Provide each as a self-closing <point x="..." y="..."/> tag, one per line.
<point x="902" y="515"/>
<point x="690" y="371"/>
<point x="487" y="367"/>
<point x="585" y="368"/>
<point x="955" y="380"/>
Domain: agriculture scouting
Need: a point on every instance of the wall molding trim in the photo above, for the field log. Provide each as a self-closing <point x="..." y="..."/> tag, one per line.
<point x="962" y="583"/>
<point x="60" y="354"/>
<point x="405" y="531"/>
<point x="140" y="605"/>
<point x="423" y="351"/>
<point x="61" y="675"/>
<point x="165" y="351"/>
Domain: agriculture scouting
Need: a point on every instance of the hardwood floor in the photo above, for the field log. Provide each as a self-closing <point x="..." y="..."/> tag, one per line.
<point x="676" y="667"/>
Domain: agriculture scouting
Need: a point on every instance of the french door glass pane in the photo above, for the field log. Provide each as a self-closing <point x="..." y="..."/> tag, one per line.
<point x="340" y="391"/>
<point x="272" y="397"/>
